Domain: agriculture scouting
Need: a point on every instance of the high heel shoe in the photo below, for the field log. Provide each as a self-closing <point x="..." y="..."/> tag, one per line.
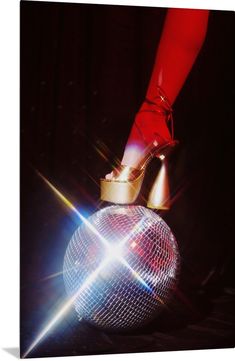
<point x="126" y="181"/>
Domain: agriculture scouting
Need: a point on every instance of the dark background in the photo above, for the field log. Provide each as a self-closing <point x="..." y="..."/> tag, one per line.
<point x="84" y="73"/>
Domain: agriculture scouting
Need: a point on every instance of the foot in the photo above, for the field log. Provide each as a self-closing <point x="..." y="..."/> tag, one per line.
<point x="150" y="126"/>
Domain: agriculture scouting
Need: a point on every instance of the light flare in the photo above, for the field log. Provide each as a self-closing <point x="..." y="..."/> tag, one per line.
<point x="74" y="209"/>
<point x="136" y="274"/>
<point x="53" y="275"/>
<point x="65" y="308"/>
<point x="101" y="153"/>
<point x="134" y="232"/>
<point x="113" y="252"/>
<point x="56" y="274"/>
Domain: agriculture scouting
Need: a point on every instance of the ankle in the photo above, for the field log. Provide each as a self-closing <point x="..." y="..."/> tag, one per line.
<point x="152" y="124"/>
<point x="159" y="105"/>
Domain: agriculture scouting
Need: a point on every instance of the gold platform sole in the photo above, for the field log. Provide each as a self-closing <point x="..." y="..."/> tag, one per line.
<point x="121" y="192"/>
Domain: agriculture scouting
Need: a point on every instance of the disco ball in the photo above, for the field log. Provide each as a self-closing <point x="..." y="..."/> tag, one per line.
<point x="121" y="267"/>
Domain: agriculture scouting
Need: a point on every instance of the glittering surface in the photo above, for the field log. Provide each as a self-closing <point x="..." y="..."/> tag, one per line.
<point x="134" y="272"/>
<point x="81" y="87"/>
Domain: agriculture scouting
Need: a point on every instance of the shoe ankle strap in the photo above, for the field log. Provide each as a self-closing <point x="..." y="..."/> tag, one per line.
<point x="163" y="107"/>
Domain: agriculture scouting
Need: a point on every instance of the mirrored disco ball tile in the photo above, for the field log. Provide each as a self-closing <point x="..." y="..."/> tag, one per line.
<point x="125" y="270"/>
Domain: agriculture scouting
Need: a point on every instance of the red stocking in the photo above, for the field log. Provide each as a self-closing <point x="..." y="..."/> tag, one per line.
<point x="182" y="37"/>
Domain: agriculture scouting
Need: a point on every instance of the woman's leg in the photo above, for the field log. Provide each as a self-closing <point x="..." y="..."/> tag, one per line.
<point x="181" y="40"/>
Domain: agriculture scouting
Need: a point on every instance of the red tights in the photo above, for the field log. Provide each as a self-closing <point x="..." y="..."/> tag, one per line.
<point x="181" y="40"/>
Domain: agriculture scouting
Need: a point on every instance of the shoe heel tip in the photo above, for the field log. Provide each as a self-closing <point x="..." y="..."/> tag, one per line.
<point x="159" y="207"/>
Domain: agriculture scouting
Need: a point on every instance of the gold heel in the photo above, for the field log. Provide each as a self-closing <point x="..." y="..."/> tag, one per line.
<point x="159" y="197"/>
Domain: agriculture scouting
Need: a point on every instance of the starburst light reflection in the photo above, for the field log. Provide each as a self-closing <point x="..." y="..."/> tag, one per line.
<point x="113" y="253"/>
<point x="64" y="309"/>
